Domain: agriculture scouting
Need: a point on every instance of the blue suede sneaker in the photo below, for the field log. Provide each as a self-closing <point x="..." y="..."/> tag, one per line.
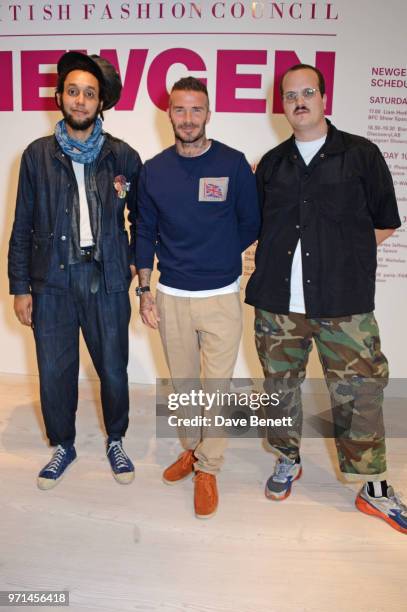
<point x="52" y="473"/>
<point x="122" y="467"/>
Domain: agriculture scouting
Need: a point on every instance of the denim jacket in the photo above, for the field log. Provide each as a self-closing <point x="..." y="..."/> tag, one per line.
<point x="39" y="246"/>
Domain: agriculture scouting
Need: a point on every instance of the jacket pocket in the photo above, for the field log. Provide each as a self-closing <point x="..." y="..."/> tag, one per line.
<point x="277" y="197"/>
<point x="41" y="255"/>
<point x="343" y="199"/>
<point x="125" y="254"/>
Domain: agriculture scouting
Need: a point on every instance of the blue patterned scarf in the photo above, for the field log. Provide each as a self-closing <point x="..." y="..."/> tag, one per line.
<point x="81" y="152"/>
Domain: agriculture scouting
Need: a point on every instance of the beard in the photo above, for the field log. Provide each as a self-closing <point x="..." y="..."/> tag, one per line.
<point x="80" y="125"/>
<point x="188" y="139"/>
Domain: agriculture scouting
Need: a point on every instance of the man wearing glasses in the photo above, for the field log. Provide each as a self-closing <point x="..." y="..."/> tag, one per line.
<point x="328" y="200"/>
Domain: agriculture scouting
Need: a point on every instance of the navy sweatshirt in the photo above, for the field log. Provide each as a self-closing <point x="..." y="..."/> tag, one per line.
<point x="197" y="214"/>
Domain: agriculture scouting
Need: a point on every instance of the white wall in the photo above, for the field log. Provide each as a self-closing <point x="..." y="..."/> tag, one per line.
<point x="367" y="33"/>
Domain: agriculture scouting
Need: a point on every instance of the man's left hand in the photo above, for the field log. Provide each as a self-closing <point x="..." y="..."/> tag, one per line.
<point x="148" y="310"/>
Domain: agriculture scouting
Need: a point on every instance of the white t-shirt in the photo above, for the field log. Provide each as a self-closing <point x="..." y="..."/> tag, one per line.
<point x="85" y="230"/>
<point x="308" y="150"/>
<point x="232" y="288"/>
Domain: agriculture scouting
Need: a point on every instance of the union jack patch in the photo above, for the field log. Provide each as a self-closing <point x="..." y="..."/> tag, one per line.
<point x="213" y="189"/>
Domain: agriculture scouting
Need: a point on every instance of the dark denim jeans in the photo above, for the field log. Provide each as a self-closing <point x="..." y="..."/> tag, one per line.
<point x="104" y="321"/>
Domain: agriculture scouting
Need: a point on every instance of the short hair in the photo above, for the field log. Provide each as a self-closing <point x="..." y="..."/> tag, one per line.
<point x="190" y="83"/>
<point x="321" y="80"/>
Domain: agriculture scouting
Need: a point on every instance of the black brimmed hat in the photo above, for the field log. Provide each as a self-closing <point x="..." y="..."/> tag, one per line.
<point x="107" y="75"/>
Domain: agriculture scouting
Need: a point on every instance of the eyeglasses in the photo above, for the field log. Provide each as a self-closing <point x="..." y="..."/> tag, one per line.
<point x="307" y="94"/>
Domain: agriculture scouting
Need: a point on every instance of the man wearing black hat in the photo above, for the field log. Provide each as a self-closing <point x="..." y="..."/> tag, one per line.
<point x="70" y="262"/>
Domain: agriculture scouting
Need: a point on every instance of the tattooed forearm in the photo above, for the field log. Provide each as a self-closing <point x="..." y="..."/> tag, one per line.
<point x="144" y="276"/>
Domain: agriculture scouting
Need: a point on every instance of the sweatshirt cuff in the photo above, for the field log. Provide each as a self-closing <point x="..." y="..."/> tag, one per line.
<point x="144" y="262"/>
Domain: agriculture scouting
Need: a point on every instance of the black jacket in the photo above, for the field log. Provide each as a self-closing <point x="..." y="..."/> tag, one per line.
<point x="39" y="244"/>
<point x="333" y="205"/>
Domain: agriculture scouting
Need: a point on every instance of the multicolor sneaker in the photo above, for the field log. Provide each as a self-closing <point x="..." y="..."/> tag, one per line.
<point x="180" y="469"/>
<point x="52" y="473"/>
<point x="122" y="467"/>
<point x="391" y="509"/>
<point x="278" y="486"/>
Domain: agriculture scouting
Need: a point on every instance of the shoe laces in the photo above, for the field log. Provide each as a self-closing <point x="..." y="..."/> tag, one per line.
<point x="120" y="457"/>
<point x="57" y="459"/>
<point x="282" y="470"/>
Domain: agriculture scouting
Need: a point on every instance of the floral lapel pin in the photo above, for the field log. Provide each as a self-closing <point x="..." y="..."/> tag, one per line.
<point x="121" y="185"/>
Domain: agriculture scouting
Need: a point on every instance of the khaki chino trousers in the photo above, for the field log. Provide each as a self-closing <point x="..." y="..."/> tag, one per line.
<point x="201" y="338"/>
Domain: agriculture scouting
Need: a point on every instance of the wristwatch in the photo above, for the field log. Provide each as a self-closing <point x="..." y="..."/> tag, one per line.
<point x="141" y="290"/>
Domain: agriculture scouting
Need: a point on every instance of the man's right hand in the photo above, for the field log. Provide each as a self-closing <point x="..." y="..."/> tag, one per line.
<point x="148" y="310"/>
<point x="23" y="305"/>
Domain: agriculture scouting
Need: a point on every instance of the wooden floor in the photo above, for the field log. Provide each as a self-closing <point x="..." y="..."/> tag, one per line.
<point x="118" y="548"/>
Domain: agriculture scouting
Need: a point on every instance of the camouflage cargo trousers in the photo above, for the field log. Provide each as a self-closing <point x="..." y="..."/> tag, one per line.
<point x="355" y="370"/>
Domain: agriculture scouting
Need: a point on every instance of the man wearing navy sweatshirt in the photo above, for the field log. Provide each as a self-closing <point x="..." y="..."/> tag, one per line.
<point x="197" y="211"/>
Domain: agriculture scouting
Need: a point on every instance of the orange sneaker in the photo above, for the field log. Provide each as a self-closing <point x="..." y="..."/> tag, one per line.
<point x="206" y="495"/>
<point x="180" y="469"/>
